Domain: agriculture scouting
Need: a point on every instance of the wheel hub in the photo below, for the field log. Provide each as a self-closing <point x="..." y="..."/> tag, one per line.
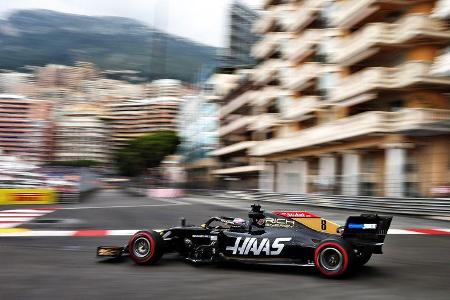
<point x="331" y="259"/>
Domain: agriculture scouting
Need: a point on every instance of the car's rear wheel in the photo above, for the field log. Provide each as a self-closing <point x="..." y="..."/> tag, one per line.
<point x="145" y="247"/>
<point x="333" y="258"/>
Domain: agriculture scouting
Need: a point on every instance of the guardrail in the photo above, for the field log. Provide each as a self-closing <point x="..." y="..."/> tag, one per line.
<point x="409" y="206"/>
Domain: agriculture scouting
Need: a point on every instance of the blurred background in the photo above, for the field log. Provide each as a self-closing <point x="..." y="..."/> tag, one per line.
<point x="325" y="97"/>
<point x="121" y="115"/>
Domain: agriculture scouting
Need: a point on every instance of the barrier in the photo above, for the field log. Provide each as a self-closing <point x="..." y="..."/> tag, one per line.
<point x="27" y="196"/>
<point x="408" y="206"/>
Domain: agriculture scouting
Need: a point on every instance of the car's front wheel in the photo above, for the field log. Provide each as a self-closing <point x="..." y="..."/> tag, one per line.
<point x="333" y="258"/>
<point x="145" y="247"/>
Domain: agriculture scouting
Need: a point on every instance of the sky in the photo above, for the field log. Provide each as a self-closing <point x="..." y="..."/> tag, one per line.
<point x="204" y="21"/>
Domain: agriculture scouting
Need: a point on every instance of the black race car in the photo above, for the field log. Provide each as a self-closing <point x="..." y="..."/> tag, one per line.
<point x="278" y="238"/>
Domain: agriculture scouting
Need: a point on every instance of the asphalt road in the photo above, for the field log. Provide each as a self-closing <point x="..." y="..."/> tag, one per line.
<point x="413" y="266"/>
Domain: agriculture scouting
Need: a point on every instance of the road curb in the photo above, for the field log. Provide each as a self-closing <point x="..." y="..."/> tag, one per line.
<point x="23" y="232"/>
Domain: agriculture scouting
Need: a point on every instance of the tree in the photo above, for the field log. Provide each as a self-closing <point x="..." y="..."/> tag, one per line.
<point x="146" y="152"/>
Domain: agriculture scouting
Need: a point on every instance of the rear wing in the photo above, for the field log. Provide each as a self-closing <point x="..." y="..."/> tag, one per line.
<point x="367" y="230"/>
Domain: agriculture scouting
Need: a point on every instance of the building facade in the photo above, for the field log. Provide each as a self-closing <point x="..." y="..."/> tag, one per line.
<point x="350" y="97"/>
<point x="81" y="134"/>
<point x="133" y="118"/>
<point x="26" y="129"/>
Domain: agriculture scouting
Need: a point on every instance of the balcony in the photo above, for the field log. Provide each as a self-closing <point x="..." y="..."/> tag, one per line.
<point x="441" y="65"/>
<point x="234" y="148"/>
<point x="299" y="48"/>
<point x="299" y="78"/>
<point x="237" y="170"/>
<point x="270" y="44"/>
<point x="304" y="15"/>
<point x="370" y="80"/>
<point x="235" y="104"/>
<point x="266" y="95"/>
<point x="351" y="12"/>
<point x="368" y="40"/>
<point x="266" y="71"/>
<point x="442" y="10"/>
<point x="264" y="121"/>
<point x="240" y="123"/>
<point x="373" y="122"/>
<point x="296" y="110"/>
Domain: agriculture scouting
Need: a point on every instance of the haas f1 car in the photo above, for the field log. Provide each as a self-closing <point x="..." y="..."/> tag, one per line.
<point x="279" y="238"/>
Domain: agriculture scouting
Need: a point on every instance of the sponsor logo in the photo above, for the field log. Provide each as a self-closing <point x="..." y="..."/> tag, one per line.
<point x="200" y="236"/>
<point x="362" y="226"/>
<point x="19" y="197"/>
<point x="108" y="252"/>
<point x="295" y="214"/>
<point x="252" y="246"/>
<point x="279" y="222"/>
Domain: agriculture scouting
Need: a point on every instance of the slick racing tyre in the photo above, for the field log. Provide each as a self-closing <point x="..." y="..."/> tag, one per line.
<point x="362" y="256"/>
<point x="333" y="258"/>
<point x="145" y="247"/>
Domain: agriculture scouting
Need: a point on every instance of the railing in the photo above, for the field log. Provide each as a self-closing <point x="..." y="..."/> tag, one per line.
<point x="266" y="95"/>
<point x="267" y="45"/>
<point x="297" y="78"/>
<point x="441" y="65"/>
<point x="264" y="72"/>
<point x="264" y="121"/>
<point x="441" y="10"/>
<point x="233" y="148"/>
<point x="353" y="10"/>
<point x="300" y="107"/>
<point x="234" y="104"/>
<point x="235" y="125"/>
<point x="408" y="206"/>
<point x="300" y="18"/>
<point x="298" y="48"/>
<point x="411" y="26"/>
<point x="371" y="79"/>
<point x="358" y="125"/>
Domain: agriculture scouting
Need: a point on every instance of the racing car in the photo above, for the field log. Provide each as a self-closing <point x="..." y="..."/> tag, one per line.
<point x="279" y="238"/>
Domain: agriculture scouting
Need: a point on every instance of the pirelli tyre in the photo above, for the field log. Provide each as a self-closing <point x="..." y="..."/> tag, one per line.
<point x="145" y="247"/>
<point x="334" y="258"/>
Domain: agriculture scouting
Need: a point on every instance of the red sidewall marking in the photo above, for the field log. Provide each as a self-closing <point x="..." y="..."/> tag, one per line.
<point x="429" y="231"/>
<point x="91" y="233"/>
<point x="152" y="246"/>
<point x="338" y="247"/>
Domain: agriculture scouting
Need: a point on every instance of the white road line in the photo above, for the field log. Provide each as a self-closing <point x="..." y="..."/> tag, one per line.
<point x="402" y="231"/>
<point x="9" y="225"/>
<point x="33" y="211"/>
<point x="18" y="215"/>
<point x="15" y="219"/>
<point x="122" y="206"/>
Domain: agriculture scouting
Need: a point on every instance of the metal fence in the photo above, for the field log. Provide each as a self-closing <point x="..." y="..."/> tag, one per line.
<point x="410" y="206"/>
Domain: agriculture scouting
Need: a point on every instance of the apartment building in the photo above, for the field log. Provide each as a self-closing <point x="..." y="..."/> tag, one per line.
<point x="349" y="97"/>
<point x="241" y="37"/>
<point x="164" y="88"/>
<point x="238" y="170"/>
<point x="25" y="128"/>
<point x="133" y="118"/>
<point x="81" y="134"/>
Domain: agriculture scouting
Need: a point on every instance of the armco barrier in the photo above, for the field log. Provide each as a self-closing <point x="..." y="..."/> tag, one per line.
<point x="27" y="196"/>
<point x="411" y="206"/>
